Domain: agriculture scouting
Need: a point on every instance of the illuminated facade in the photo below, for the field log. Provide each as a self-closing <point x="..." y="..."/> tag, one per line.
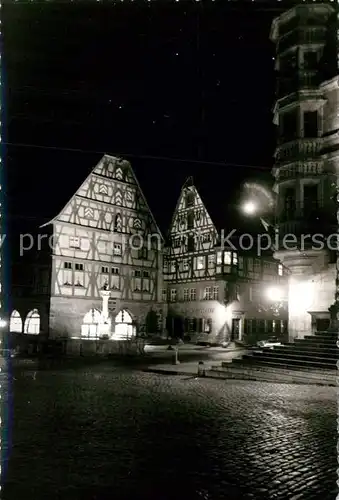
<point x="109" y="274"/>
<point x="217" y="294"/>
<point x="104" y="279"/>
<point x="307" y="159"/>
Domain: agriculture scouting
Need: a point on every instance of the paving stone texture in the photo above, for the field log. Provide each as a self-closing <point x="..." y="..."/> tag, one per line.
<point x="103" y="432"/>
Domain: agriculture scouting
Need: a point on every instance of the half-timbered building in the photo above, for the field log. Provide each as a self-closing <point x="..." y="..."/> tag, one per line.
<point x="106" y="269"/>
<point x="109" y="274"/>
<point x="216" y="293"/>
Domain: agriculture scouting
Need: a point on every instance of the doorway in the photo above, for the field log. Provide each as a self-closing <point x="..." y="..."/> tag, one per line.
<point x="235" y="333"/>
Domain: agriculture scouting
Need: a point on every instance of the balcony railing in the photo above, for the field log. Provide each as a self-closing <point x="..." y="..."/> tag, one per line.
<point x="298" y="150"/>
<point x="302" y="36"/>
<point x="299" y="170"/>
<point x="305" y="219"/>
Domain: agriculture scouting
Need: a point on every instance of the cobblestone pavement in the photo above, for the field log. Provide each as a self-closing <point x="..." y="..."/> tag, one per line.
<point x="104" y="432"/>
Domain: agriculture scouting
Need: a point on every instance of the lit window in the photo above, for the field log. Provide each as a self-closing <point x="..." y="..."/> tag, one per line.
<point x="280" y="270"/>
<point x="193" y="294"/>
<point x="228" y="258"/>
<point x="215" y="293"/>
<point x="219" y="257"/>
<point x="208" y="293"/>
<point x="201" y="262"/>
<point x="235" y="258"/>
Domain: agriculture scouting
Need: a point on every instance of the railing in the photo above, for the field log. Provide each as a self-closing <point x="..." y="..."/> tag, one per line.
<point x="301" y="36"/>
<point x="296" y="80"/>
<point x="298" y="150"/>
<point x="300" y="227"/>
<point x="299" y="170"/>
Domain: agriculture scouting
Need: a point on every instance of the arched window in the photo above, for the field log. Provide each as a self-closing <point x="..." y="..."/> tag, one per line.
<point x="90" y="324"/>
<point x="124" y="329"/>
<point x="32" y="322"/>
<point x="15" y="322"/>
<point x="123" y="317"/>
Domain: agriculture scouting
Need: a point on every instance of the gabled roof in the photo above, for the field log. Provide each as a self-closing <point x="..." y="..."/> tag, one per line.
<point x="224" y="209"/>
<point x="98" y="169"/>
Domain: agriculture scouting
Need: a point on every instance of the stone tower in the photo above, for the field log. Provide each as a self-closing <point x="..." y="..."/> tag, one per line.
<point x="306" y="113"/>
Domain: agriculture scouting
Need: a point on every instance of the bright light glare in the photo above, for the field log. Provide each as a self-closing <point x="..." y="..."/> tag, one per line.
<point x="301" y="296"/>
<point x="249" y="207"/>
<point x="274" y="294"/>
<point x="2" y="323"/>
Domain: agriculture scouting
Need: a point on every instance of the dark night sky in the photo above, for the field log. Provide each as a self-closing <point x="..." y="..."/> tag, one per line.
<point x="148" y="81"/>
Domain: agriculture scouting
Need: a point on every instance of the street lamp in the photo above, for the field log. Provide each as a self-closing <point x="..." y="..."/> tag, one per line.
<point x="274" y="294"/>
<point x="276" y="298"/>
<point x="250" y="207"/>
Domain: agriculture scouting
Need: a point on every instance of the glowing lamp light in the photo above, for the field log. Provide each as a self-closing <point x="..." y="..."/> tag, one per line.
<point x="275" y="294"/>
<point x="249" y="208"/>
<point x="301" y="296"/>
<point x="2" y="323"/>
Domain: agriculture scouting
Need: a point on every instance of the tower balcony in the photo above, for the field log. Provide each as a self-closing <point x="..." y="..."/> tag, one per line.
<point x="303" y="35"/>
<point x="298" y="150"/>
<point x="307" y="220"/>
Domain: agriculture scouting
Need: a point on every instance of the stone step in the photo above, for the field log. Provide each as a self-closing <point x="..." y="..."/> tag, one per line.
<point x="286" y="351"/>
<point x="309" y="347"/>
<point x="271" y="366"/>
<point x="286" y="362"/>
<point x="276" y="374"/>
<point x="316" y="341"/>
<point x="325" y="340"/>
<point x="322" y="353"/>
<point x="318" y="338"/>
<point x="295" y="355"/>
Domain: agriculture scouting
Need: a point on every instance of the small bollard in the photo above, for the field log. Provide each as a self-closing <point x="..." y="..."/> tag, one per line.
<point x="175" y="360"/>
<point x="201" y="369"/>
